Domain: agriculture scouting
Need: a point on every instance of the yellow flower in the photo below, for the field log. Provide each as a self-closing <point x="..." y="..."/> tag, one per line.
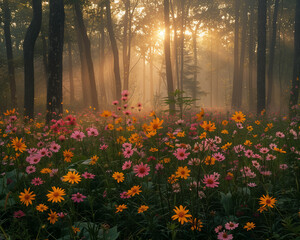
<point x="249" y="226"/>
<point x="110" y="127"/>
<point x="224" y="122"/>
<point x="9" y="112"/>
<point x="172" y="179"/>
<point x="247" y="143"/>
<point x="46" y="170"/>
<point x="151" y="134"/>
<point x="118" y="176"/>
<point x="153" y="150"/>
<point x="196" y="224"/>
<point x="167" y="160"/>
<point x="210" y="160"/>
<point x="226" y="146"/>
<point x="181" y="214"/>
<point x="120" y="208"/>
<point x="94" y="159"/>
<point x="200" y="115"/>
<point x="56" y="195"/>
<point x="171" y="136"/>
<point x="267" y="201"/>
<point x="68" y="155"/>
<point x="257" y="122"/>
<point x="118" y="120"/>
<point x="250" y="128"/>
<point x="130" y="128"/>
<point x="238" y="117"/>
<point x="156" y="124"/>
<point x="52" y="217"/>
<point x="121" y="140"/>
<point x="152" y="114"/>
<point x="143" y="208"/>
<point x="18" y="144"/>
<point x="119" y="129"/>
<point x="27" y="197"/>
<point x="224" y="131"/>
<point x="279" y="150"/>
<point x="105" y="114"/>
<point x="181" y="134"/>
<point x="208" y="126"/>
<point x="72" y="177"/>
<point x="134" y="190"/>
<point x="75" y="229"/>
<point x="41" y="207"/>
<point x="183" y="172"/>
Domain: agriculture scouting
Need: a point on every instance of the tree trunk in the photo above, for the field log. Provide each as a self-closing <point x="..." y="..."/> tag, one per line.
<point x="84" y="83"/>
<point x="55" y="59"/>
<point x="9" y="52"/>
<point x="272" y="54"/>
<point x="194" y="92"/>
<point x="182" y="46"/>
<point x="72" y="97"/>
<point x="125" y="45"/>
<point x="236" y="56"/>
<point x="251" y="56"/>
<point x="170" y="87"/>
<point x="151" y="76"/>
<point x="28" y="49"/>
<point x="45" y="54"/>
<point x="296" y="69"/>
<point x="242" y="58"/>
<point x="261" y="56"/>
<point x="114" y="50"/>
<point x="103" y="100"/>
<point x="88" y="55"/>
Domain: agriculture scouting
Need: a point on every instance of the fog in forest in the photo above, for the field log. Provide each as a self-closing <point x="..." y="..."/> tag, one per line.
<point x="214" y="53"/>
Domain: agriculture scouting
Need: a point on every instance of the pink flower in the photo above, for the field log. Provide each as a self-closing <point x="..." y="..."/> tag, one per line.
<point x="159" y="166"/>
<point x="264" y="150"/>
<point x="34" y="159"/>
<point x="115" y="102"/>
<point x="30" y="169"/>
<point x="219" y="157"/>
<point x="126" y="165"/>
<point x="77" y="135"/>
<point x="43" y="152"/>
<point x="19" y="214"/>
<point x="218" y="228"/>
<point x="194" y="162"/>
<point x="37" y="181"/>
<point x="251" y="184"/>
<point x="280" y="135"/>
<point x="87" y="175"/>
<point x="62" y="214"/>
<point x="62" y="138"/>
<point x="92" y="132"/>
<point x="103" y="147"/>
<point x="54" y="147"/>
<point x="248" y="153"/>
<point x="125" y="93"/>
<point x="141" y="170"/>
<point x="283" y="166"/>
<point x="181" y="154"/>
<point x="270" y="157"/>
<point x="231" y="225"/>
<point x="124" y="195"/>
<point x="211" y="181"/>
<point x="78" y="197"/>
<point x="224" y="236"/>
<point x="127" y="152"/>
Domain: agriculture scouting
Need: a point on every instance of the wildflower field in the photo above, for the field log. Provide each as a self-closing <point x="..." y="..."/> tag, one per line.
<point x="129" y="174"/>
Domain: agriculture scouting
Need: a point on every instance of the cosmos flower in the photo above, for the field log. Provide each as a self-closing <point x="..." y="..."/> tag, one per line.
<point x="210" y="181"/>
<point x="141" y="170"/>
<point x="181" y="154"/>
<point x="78" y="197"/>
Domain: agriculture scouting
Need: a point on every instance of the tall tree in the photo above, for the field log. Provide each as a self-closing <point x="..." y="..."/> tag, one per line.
<point x="28" y="49"/>
<point x="261" y="55"/>
<point x="87" y="49"/>
<point x="114" y="50"/>
<point x="9" y="52"/>
<point x="236" y="55"/>
<point x="272" y="54"/>
<point x="170" y="87"/>
<point x="242" y="56"/>
<point x="55" y="59"/>
<point x="126" y="49"/>
<point x="251" y="55"/>
<point x="102" y="59"/>
<point x="296" y="69"/>
<point x="70" y="63"/>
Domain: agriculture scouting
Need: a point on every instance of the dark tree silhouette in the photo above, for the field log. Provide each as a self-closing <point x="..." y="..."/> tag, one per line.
<point x="272" y="54"/>
<point x="55" y="59"/>
<point x="296" y="69"/>
<point x="28" y="49"/>
<point x="261" y="55"/>
<point x="87" y="49"/>
<point x="114" y="50"/>
<point x="9" y="52"/>
<point x="103" y="98"/>
<point x="168" y="57"/>
<point x="70" y="63"/>
<point x="251" y="55"/>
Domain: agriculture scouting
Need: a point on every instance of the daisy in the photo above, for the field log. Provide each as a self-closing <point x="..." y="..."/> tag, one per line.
<point x="30" y="169"/>
<point x="87" y="175"/>
<point x="18" y="144"/>
<point x="181" y="214"/>
<point x="77" y="135"/>
<point x="56" y="195"/>
<point x="52" y="217"/>
<point x="143" y="208"/>
<point x="127" y="152"/>
<point x="224" y="236"/>
<point x="72" y="177"/>
<point x="92" y="132"/>
<point x="249" y="226"/>
<point x="126" y="165"/>
<point x="78" y="197"/>
<point x="267" y="201"/>
<point x="219" y="157"/>
<point x="41" y="207"/>
<point x="210" y="181"/>
<point x="141" y="170"/>
<point x="54" y="147"/>
<point x="231" y="225"/>
<point x="27" y="197"/>
<point x="120" y="208"/>
<point x="183" y="172"/>
<point x="118" y="176"/>
<point x="181" y="154"/>
<point x="134" y="190"/>
<point x="238" y="117"/>
<point x="37" y="181"/>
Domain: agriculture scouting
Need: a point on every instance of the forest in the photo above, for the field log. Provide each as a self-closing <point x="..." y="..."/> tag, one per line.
<point x="149" y="119"/>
